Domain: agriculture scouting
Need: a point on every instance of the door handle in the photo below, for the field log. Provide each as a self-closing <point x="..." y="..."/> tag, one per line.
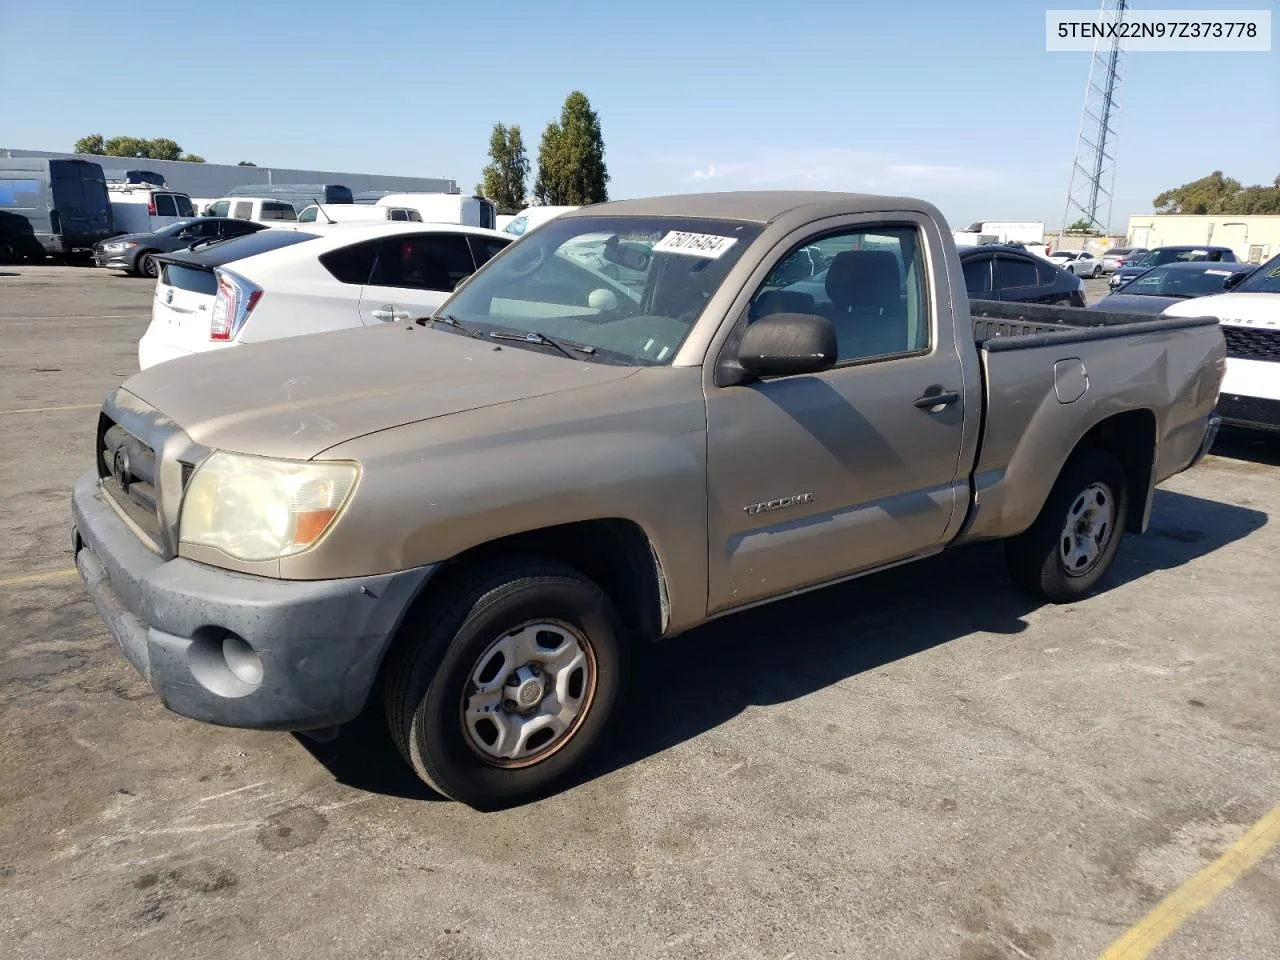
<point x="386" y="315"/>
<point x="401" y="315"/>
<point x="943" y="398"/>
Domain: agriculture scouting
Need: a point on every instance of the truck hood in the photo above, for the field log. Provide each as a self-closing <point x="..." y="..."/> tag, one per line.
<point x="296" y="397"/>
<point x="1245" y="309"/>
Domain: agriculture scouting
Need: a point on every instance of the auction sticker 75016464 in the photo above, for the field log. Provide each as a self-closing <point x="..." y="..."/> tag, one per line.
<point x="695" y="244"/>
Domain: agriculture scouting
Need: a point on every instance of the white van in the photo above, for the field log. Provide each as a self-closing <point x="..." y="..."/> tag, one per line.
<point x="363" y="212"/>
<point x="531" y="217"/>
<point x="141" y="208"/>
<point x="262" y="210"/>
<point x="445" y="208"/>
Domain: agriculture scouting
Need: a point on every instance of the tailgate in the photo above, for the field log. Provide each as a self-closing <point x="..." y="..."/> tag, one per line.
<point x="183" y="305"/>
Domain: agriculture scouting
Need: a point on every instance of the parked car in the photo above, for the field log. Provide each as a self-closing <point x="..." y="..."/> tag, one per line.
<point x="359" y="212"/>
<point x="269" y="211"/>
<point x="145" y="208"/>
<point x="297" y="195"/>
<point x="1250" y="317"/>
<point x="999" y="272"/>
<point x="1160" y="287"/>
<point x="135" y="253"/>
<point x="1162" y="255"/>
<point x="1080" y="262"/>
<point x="474" y="519"/>
<point x="273" y="284"/>
<point x="1117" y="257"/>
<point x="54" y="208"/>
<point x="531" y="218"/>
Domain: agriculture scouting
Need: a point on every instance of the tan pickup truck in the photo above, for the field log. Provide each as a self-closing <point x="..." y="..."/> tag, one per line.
<point x="642" y="415"/>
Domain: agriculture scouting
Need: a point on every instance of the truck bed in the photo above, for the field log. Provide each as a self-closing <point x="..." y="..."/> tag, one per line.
<point x="999" y="326"/>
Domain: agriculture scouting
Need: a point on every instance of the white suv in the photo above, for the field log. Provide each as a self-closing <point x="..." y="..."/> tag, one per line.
<point x="285" y="283"/>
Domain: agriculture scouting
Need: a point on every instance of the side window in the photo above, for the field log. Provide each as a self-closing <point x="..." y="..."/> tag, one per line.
<point x="485" y="249"/>
<point x="1046" y="273"/>
<point x="206" y="228"/>
<point x="243" y="209"/>
<point x="352" y="264"/>
<point x="398" y="215"/>
<point x="414" y="216"/>
<point x="185" y="209"/>
<point x="868" y="282"/>
<point x="220" y="208"/>
<point x="274" y="210"/>
<point x="424" y="261"/>
<point x="308" y="215"/>
<point x="165" y="207"/>
<point x="1011" y="272"/>
<point x="977" y="276"/>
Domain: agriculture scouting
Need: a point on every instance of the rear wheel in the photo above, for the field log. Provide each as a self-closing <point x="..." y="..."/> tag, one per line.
<point x="1074" y="540"/>
<point x="500" y="690"/>
<point x="147" y="266"/>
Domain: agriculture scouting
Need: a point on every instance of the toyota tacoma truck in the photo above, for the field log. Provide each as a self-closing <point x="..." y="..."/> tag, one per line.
<point x="470" y="520"/>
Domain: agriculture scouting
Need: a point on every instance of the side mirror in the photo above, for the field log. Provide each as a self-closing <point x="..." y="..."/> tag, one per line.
<point x="785" y="344"/>
<point x="1233" y="281"/>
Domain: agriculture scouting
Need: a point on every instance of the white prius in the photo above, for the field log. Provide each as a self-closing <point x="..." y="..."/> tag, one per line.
<point x="286" y="283"/>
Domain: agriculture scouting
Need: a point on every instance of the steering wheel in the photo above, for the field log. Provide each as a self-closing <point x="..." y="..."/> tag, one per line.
<point x="524" y="263"/>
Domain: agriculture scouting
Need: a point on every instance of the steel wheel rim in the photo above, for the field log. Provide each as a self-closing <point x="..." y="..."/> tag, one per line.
<point x="1088" y="530"/>
<point x="527" y="694"/>
<point x="148" y="265"/>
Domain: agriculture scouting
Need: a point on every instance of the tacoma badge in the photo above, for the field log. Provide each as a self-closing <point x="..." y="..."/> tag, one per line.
<point x="779" y="504"/>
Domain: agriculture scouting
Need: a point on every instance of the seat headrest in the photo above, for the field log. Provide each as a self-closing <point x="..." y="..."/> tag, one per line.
<point x="864" y="278"/>
<point x="781" y="301"/>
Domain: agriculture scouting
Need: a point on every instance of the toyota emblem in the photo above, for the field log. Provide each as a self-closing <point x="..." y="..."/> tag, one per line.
<point x="168" y="297"/>
<point x="120" y="469"/>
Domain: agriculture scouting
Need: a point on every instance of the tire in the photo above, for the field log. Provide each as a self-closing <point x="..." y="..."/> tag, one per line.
<point x="1054" y="567"/>
<point x="431" y="681"/>
<point x="146" y="266"/>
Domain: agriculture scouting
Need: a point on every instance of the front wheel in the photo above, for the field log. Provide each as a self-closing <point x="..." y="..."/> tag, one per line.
<point x="1074" y="540"/>
<point x="501" y="691"/>
<point x="147" y="266"/>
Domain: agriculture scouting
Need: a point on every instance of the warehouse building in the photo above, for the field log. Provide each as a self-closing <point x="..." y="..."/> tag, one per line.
<point x="213" y="180"/>
<point x="1254" y="239"/>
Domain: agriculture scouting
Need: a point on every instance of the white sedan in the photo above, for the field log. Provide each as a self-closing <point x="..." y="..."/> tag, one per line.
<point x="1080" y="262"/>
<point x="285" y="283"/>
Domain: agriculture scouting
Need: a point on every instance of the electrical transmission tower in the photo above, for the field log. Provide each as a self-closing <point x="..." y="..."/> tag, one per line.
<point x="1093" y="172"/>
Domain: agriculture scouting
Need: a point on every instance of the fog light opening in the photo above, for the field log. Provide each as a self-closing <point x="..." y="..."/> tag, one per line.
<point x="242" y="661"/>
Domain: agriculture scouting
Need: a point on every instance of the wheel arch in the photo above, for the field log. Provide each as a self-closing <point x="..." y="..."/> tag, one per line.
<point x="1131" y="438"/>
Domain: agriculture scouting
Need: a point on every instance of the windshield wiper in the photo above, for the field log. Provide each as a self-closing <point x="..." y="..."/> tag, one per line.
<point x="446" y="318"/>
<point x="564" y="346"/>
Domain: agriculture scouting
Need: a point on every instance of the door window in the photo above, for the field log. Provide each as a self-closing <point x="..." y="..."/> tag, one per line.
<point x="165" y="207"/>
<point x="1011" y="272"/>
<point x="243" y="209"/>
<point x="484" y="249"/>
<point x="220" y="208"/>
<point x="1046" y="273"/>
<point x="868" y="282"/>
<point x="185" y="209"/>
<point x="977" y="275"/>
<point x="428" y="261"/>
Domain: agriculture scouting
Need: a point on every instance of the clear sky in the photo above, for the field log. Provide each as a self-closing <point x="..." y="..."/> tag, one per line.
<point x="956" y="101"/>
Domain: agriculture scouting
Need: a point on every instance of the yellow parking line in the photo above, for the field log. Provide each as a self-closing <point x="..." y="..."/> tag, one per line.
<point x="37" y="577"/>
<point x="74" y="406"/>
<point x="1198" y="892"/>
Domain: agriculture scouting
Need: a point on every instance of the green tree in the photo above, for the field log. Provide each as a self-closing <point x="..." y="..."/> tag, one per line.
<point x="93" y="144"/>
<point x="1207" y="195"/>
<point x="161" y="148"/>
<point x="571" y="167"/>
<point x="1081" y="226"/>
<point x="505" y="175"/>
<point x="246" y="163"/>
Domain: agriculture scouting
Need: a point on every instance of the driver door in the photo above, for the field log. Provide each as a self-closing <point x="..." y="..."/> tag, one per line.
<point x="413" y="274"/>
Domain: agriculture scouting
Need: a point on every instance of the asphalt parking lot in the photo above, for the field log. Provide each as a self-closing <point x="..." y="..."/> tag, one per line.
<point x="918" y="764"/>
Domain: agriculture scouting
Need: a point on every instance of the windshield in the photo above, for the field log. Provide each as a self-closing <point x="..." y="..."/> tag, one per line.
<point x="1157" y="257"/>
<point x="172" y="228"/>
<point x="1173" y="281"/>
<point x="1265" y="279"/>
<point x="629" y="287"/>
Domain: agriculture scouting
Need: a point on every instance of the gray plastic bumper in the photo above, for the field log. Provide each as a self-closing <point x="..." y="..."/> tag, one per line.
<point x="234" y="649"/>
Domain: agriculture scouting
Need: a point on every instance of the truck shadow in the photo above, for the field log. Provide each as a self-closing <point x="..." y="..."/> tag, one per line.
<point x="786" y="650"/>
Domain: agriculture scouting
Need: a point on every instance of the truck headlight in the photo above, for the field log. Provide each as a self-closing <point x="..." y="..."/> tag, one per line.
<point x="256" y="508"/>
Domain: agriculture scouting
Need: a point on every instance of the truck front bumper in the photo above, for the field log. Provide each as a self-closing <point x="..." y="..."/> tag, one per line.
<point x="234" y="649"/>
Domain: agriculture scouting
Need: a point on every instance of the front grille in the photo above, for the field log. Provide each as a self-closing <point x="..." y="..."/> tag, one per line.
<point x="128" y="470"/>
<point x="1250" y="411"/>
<point x="1251" y="343"/>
